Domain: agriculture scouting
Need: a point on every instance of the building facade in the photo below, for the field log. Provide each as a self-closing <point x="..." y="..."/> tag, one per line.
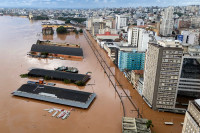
<point x="190" y="37"/>
<point x="162" y="66"/>
<point x="121" y="21"/>
<point x="167" y="23"/>
<point x="192" y="120"/>
<point x="139" y="38"/>
<point x="131" y="60"/>
<point x="97" y="26"/>
<point x="133" y="36"/>
<point x="189" y="80"/>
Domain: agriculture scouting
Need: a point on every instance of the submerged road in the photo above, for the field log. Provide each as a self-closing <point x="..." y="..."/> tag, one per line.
<point x="134" y="105"/>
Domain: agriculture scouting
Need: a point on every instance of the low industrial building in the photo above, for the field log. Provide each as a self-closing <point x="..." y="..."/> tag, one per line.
<point x="57" y="95"/>
<point x="55" y="51"/>
<point x="57" y="75"/>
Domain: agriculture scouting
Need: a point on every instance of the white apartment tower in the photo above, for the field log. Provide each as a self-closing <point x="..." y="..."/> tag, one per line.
<point x="139" y="38"/>
<point x="162" y="66"/>
<point x="133" y="36"/>
<point x="167" y="23"/>
<point x="120" y="21"/>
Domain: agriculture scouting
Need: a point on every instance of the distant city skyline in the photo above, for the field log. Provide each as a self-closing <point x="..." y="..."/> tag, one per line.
<point x="94" y="3"/>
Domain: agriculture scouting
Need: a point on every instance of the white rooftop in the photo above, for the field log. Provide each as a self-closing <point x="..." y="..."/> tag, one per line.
<point x="197" y="101"/>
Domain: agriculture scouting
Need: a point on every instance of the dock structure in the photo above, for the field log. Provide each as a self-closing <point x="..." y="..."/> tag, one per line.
<point x="58" y="75"/>
<point x="65" y="52"/>
<point x="134" y="125"/>
<point x="47" y="42"/>
<point x="56" y="25"/>
<point x="57" y="95"/>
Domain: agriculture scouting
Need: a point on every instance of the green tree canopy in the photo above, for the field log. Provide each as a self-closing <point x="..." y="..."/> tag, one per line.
<point x="61" y="30"/>
<point x="149" y="124"/>
<point x="81" y="31"/>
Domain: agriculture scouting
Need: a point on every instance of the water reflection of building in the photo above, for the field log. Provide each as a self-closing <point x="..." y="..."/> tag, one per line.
<point x="47" y="31"/>
<point x="47" y="37"/>
<point x="192" y="121"/>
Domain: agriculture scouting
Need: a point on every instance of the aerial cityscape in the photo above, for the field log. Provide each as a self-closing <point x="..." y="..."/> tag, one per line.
<point x="100" y="66"/>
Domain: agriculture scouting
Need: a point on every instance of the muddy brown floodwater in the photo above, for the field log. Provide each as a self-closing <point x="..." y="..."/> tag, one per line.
<point x="22" y="115"/>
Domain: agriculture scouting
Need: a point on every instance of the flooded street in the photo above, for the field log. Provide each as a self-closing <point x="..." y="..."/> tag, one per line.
<point x="22" y="115"/>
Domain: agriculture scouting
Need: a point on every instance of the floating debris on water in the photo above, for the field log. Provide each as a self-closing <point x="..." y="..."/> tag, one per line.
<point x="61" y="113"/>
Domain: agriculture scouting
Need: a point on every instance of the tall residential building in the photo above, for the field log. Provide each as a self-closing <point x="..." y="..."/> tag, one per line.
<point x="90" y="21"/>
<point x="192" y="118"/>
<point x="139" y="38"/>
<point x="133" y="36"/>
<point x="145" y="37"/>
<point x="190" y="37"/>
<point x="131" y="60"/>
<point x="140" y="22"/>
<point x="167" y="23"/>
<point x="195" y="22"/>
<point x="96" y="27"/>
<point x="121" y="21"/>
<point x="162" y="66"/>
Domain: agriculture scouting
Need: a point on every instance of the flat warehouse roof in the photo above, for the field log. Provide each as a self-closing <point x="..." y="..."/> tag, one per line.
<point x="56" y="95"/>
<point x="58" y="75"/>
<point x="57" y="50"/>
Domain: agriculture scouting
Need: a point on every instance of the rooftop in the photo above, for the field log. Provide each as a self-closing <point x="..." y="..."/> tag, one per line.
<point x="170" y="43"/>
<point x="134" y="125"/>
<point x="57" y="75"/>
<point x="56" y="95"/>
<point x="197" y="101"/>
<point x="57" y="50"/>
<point x="141" y="72"/>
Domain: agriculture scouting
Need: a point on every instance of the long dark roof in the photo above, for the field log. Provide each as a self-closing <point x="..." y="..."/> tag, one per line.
<point x="57" y="75"/>
<point x="57" y="50"/>
<point x="61" y="93"/>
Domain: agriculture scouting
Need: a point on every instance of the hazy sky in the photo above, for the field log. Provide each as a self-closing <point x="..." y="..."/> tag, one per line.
<point x="94" y="3"/>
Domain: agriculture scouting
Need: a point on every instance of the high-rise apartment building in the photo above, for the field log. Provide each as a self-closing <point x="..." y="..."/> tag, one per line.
<point x="97" y="26"/>
<point x="167" y="23"/>
<point x="139" y="38"/>
<point x="133" y="36"/>
<point x="162" y="66"/>
<point x="192" y="118"/>
<point x="190" y="37"/>
<point x="121" y="21"/>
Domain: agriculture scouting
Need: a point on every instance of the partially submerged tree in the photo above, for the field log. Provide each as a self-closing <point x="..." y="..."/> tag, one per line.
<point x="61" y="30"/>
<point x="149" y="124"/>
<point x="81" y="31"/>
